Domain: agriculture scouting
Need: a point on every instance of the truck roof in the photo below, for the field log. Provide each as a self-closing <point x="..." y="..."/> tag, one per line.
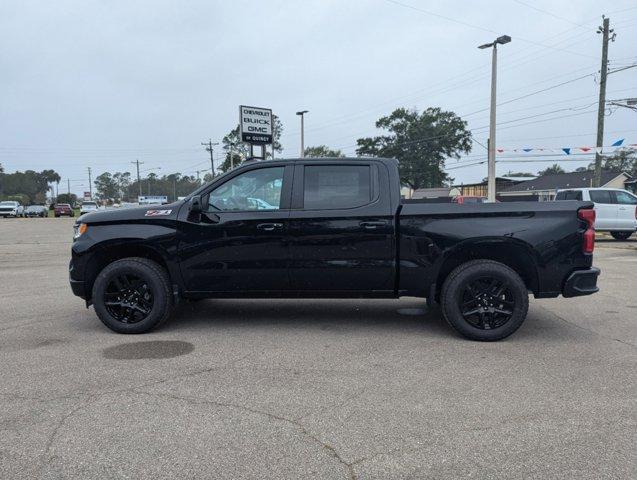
<point x="321" y="159"/>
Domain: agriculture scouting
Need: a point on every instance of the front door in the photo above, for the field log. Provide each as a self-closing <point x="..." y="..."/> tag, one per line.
<point x="341" y="229"/>
<point x="238" y="244"/>
<point x="626" y="205"/>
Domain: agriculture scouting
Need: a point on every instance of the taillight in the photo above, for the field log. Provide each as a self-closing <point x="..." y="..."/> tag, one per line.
<point x="588" y="215"/>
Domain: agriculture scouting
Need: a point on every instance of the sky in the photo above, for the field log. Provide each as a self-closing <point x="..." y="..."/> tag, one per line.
<point x="100" y="84"/>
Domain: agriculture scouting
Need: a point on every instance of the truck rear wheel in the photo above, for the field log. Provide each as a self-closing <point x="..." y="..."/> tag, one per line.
<point x="132" y="295"/>
<point x="484" y="300"/>
<point x="620" y="235"/>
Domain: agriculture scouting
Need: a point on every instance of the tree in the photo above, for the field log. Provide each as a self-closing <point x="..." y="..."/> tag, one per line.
<point x="241" y="151"/>
<point x="552" y="170"/>
<point x="420" y="142"/>
<point x="322" y="151"/>
<point x="106" y="187"/>
<point x="66" y="198"/>
<point x="519" y="174"/>
<point x="623" y="160"/>
<point x="30" y="185"/>
<point x="123" y="182"/>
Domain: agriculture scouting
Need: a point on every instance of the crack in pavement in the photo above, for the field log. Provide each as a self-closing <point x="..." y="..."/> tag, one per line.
<point x="351" y="474"/>
<point x="559" y="317"/>
<point x="46" y="457"/>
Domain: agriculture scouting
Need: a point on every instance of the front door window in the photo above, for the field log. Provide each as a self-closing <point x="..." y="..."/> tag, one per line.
<point x="258" y="189"/>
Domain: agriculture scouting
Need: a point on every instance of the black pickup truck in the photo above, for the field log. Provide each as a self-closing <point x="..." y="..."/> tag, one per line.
<point x="332" y="228"/>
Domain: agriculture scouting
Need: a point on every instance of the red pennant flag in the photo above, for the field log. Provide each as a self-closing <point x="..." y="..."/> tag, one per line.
<point x="500" y="150"/>
<point x="584" y="149"/>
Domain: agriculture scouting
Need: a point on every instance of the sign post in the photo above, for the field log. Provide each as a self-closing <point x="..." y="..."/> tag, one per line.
<point x="256" y="128"/>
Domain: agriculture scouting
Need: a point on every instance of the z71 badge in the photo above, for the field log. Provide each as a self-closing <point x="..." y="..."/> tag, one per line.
<point x="157" y="213"/>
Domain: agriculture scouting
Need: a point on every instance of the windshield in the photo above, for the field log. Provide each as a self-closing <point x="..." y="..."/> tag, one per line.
<point x="89" y="204"/>
<point x="34" y="208"/>
<point x="9" y="203"/>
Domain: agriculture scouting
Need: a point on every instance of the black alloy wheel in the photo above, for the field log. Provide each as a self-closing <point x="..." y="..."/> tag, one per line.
<point x="484" y="300"/>
<point x="487" y="303"/>
<point x="128" y="298"/>
<point x="133" y="295"/>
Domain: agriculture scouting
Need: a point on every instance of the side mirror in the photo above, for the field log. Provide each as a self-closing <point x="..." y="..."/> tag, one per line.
<point x="195" y="204"/>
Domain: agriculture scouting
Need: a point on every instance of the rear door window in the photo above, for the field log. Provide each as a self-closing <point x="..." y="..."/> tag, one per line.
<point x="569" y="195"/>
<point x="600" y="196"/>
<point x="336" y="186"/>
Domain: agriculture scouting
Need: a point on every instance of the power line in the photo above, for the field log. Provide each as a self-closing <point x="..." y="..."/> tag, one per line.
<point x="461" y="22"/>
<point x="550" y="14"/>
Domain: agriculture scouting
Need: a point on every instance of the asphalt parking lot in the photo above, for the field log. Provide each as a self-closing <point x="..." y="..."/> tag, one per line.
<point x="309" y="389"/>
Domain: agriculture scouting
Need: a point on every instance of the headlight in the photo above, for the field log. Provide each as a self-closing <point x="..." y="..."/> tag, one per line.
<point x="79" y="230"/>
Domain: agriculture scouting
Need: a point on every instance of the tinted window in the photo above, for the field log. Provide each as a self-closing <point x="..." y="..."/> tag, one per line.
<point x="600" y="196"/>
<point x="569" y="195"/>
<point x="336" y="186"/>
<point x="625" y="198"/>
<point x="254" y="190"/>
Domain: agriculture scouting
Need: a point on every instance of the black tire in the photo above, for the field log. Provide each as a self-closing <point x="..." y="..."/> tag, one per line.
<point x="619" y="235"/>
<point x="155" y="281"/>
<point x="492" y="313"/>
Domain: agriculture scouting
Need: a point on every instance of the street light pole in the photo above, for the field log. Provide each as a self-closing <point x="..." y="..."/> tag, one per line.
<point x="302" y="115"/>
<point x="491" y="190"/>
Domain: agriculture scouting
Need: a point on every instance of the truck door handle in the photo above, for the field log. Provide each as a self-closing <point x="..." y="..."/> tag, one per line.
<point x="372" y="225"/>
<point x="268" y="227"/>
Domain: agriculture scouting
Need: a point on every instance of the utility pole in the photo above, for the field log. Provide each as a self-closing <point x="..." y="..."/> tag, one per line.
<point x="68" y="186"/>
<point x="302" y="115"/>
<point x="90" y="183"/>
<point x="491" y="151"/>
<point x="198" y="177"/>
<point x="209" y="146"/>
<point x="231" y="155"/>
<point x="139" y="183"/>
<point x="175" y="189"/>
<point x="605" y="30"/>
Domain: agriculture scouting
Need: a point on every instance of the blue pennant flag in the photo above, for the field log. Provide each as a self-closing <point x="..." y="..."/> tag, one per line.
<point x="618" y="143"/>
<point x="567" y="151"/>
<point x="527" y="149"/>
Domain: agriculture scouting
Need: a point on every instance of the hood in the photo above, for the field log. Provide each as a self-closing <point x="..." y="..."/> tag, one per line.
<point x="145" y="214"/>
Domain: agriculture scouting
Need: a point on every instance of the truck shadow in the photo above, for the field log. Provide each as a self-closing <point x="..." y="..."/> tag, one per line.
<point x="342" y="317"/>
<point x="326" y="315"/>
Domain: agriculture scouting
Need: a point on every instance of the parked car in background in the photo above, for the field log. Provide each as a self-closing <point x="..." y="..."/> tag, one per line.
<point x="615" y="209"/>
<point x="462" y="199"/>
<point x="63" y="209"/>
<point x="36" y="211"/>
<point x="11" y="208"/>
<point x="88" y="207"/>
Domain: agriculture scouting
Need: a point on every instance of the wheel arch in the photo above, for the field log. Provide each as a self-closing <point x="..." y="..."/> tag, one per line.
<point x="513" y="253"/>
<point x="107" y="253"/>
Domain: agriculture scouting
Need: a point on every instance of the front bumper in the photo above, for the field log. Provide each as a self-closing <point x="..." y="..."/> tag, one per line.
<point x="78" y="288"/>
<point x="581" y="282"/>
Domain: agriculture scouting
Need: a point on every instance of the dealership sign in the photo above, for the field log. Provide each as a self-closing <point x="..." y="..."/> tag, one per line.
<point x="256" y="125"/>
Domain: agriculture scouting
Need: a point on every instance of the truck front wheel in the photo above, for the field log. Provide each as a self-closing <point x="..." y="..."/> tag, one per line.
<point x="132" y="295"/>
<point x="484" y="300"/>
<point x="620" y="235"/>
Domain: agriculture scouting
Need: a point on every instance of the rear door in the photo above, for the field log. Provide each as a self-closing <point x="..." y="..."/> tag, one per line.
<point x="605" y="209"/>
<point x="341" y="228"/>
<point x="626" y="205"/>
